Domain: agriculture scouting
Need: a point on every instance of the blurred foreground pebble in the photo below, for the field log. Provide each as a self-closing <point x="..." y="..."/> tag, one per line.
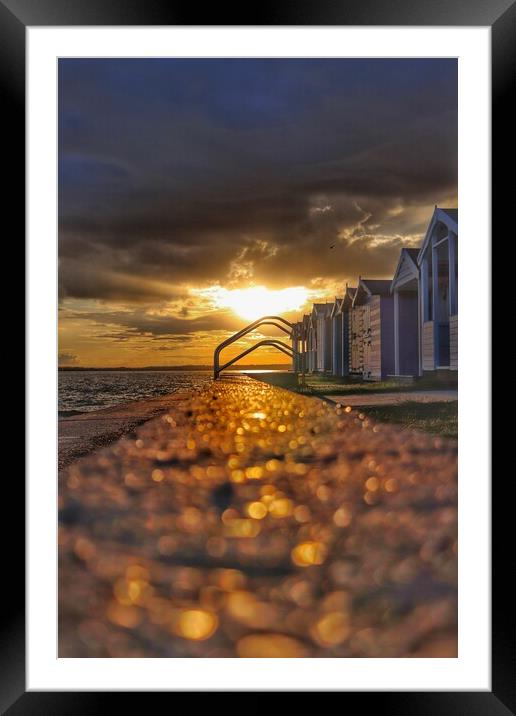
<point x="255" y="522"/>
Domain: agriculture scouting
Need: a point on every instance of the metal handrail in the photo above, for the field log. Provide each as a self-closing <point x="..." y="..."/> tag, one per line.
<point x="268" y="342"/>
<point x="266" y="320"/>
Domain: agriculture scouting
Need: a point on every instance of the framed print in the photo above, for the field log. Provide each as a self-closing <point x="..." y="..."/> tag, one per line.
<point x="258" y="452"/>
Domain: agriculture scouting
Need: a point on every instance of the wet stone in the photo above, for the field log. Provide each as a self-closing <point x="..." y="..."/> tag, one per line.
<point x="254" y="522"/>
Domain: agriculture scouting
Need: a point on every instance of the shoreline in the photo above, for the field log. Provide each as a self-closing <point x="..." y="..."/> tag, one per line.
<point x="83" y="433"/>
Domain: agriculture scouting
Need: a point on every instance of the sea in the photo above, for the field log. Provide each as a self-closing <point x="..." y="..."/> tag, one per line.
<point x="87" y="390"/>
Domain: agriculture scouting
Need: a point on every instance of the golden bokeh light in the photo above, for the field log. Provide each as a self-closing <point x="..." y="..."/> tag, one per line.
<point x="270" y="646"/>
<point x="256" y="510"/>
<point x="332" y="629"/>
<point x="281" y="507"/>
<point x="197" y="624"/>
<point x="307" y="554"/>
<point x="204" y="550"/>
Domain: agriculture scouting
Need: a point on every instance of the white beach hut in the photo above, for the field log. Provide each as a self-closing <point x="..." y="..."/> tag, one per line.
<point x="438" y="305"/>
<point x="321" y="319"/>
<point x="311" y="342"/>
<point x="342" y="334"/>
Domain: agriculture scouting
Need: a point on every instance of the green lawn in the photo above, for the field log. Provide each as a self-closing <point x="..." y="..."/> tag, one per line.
<point x="328" y="385"/>
<point x="437" y="418"/>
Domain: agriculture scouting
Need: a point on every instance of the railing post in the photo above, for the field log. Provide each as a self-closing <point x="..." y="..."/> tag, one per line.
<point x="216" y="364"/>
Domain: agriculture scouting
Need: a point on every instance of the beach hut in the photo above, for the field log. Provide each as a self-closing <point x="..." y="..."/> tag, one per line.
<point x="438" y="296"/>
<point x="373" y="329"/>
<point x="321" y="319"/>
<point x="298" y="346"/>
<point x="336" y="325"/>
<point x="346" y="306"/>
<point x="404" y="289"/>
<point x="328" y="339"/>
<point x="305" y="328"/>
<point x="342" y="334"/>
<point x="311" y="342"/>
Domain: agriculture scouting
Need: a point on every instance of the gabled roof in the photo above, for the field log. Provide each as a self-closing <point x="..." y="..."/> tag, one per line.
<point x="448" y="217"/>
<point x="297" y="329"/>
<point x="368" y="287"/>
<point x="347" y="301"/>
<point x="376" y="287"/>
<point x="322" y="309"/>
<point x="407" y="262"/>
<point x="336" y="306"/>
<point x="453" y="214"/>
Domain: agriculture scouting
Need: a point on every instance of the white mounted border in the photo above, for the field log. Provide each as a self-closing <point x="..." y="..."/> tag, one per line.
<point x="471" y="670"/>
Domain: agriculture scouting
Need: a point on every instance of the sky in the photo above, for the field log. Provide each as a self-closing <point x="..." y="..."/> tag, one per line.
<point x="198" y="194"/>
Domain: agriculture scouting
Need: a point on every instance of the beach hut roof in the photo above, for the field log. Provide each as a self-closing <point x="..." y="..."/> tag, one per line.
<point x="407" y="269"/>
<point x="453" y="214"/>
<point x="322" y="309"/>
<point x="368" y="287"/>
<point x="349" y="295"/>
<point x="337" y="304"/>
<point x="448" y="217"/>
<point x="376" y="287"/>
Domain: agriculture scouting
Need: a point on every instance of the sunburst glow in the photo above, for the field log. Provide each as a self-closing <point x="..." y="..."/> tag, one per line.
<point x="256" y="301"/>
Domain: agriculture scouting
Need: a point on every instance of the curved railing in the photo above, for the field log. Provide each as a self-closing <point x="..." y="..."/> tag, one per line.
<point x="276" y="321"/>
<point x="283" y="347"/>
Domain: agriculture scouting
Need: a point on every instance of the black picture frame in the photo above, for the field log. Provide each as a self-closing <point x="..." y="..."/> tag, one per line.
<point x="500" y="15"/>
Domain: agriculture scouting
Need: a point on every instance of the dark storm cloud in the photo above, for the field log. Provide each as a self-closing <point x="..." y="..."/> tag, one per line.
<point x="141" y="323"/>
<point x="195" y="171"/>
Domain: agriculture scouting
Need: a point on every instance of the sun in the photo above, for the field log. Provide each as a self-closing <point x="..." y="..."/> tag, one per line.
<point x="257" y="301"/>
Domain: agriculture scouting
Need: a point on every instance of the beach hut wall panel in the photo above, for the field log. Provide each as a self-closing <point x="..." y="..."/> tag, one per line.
<point x="356" y="318"/>
<point x="406" y="333"/>
<point x="428" y="346"/>
<point x="346" y="348"/>
<point x="373" y="351"/>
<point x="337" y="343"/>
<point x="373" y="336"/>
<point x="438" y="292"/>
<point x="454" y="342"/>
<point x="379" y="349"/>
<point x="328" y="340"/>
<point x="321" y="343"/>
